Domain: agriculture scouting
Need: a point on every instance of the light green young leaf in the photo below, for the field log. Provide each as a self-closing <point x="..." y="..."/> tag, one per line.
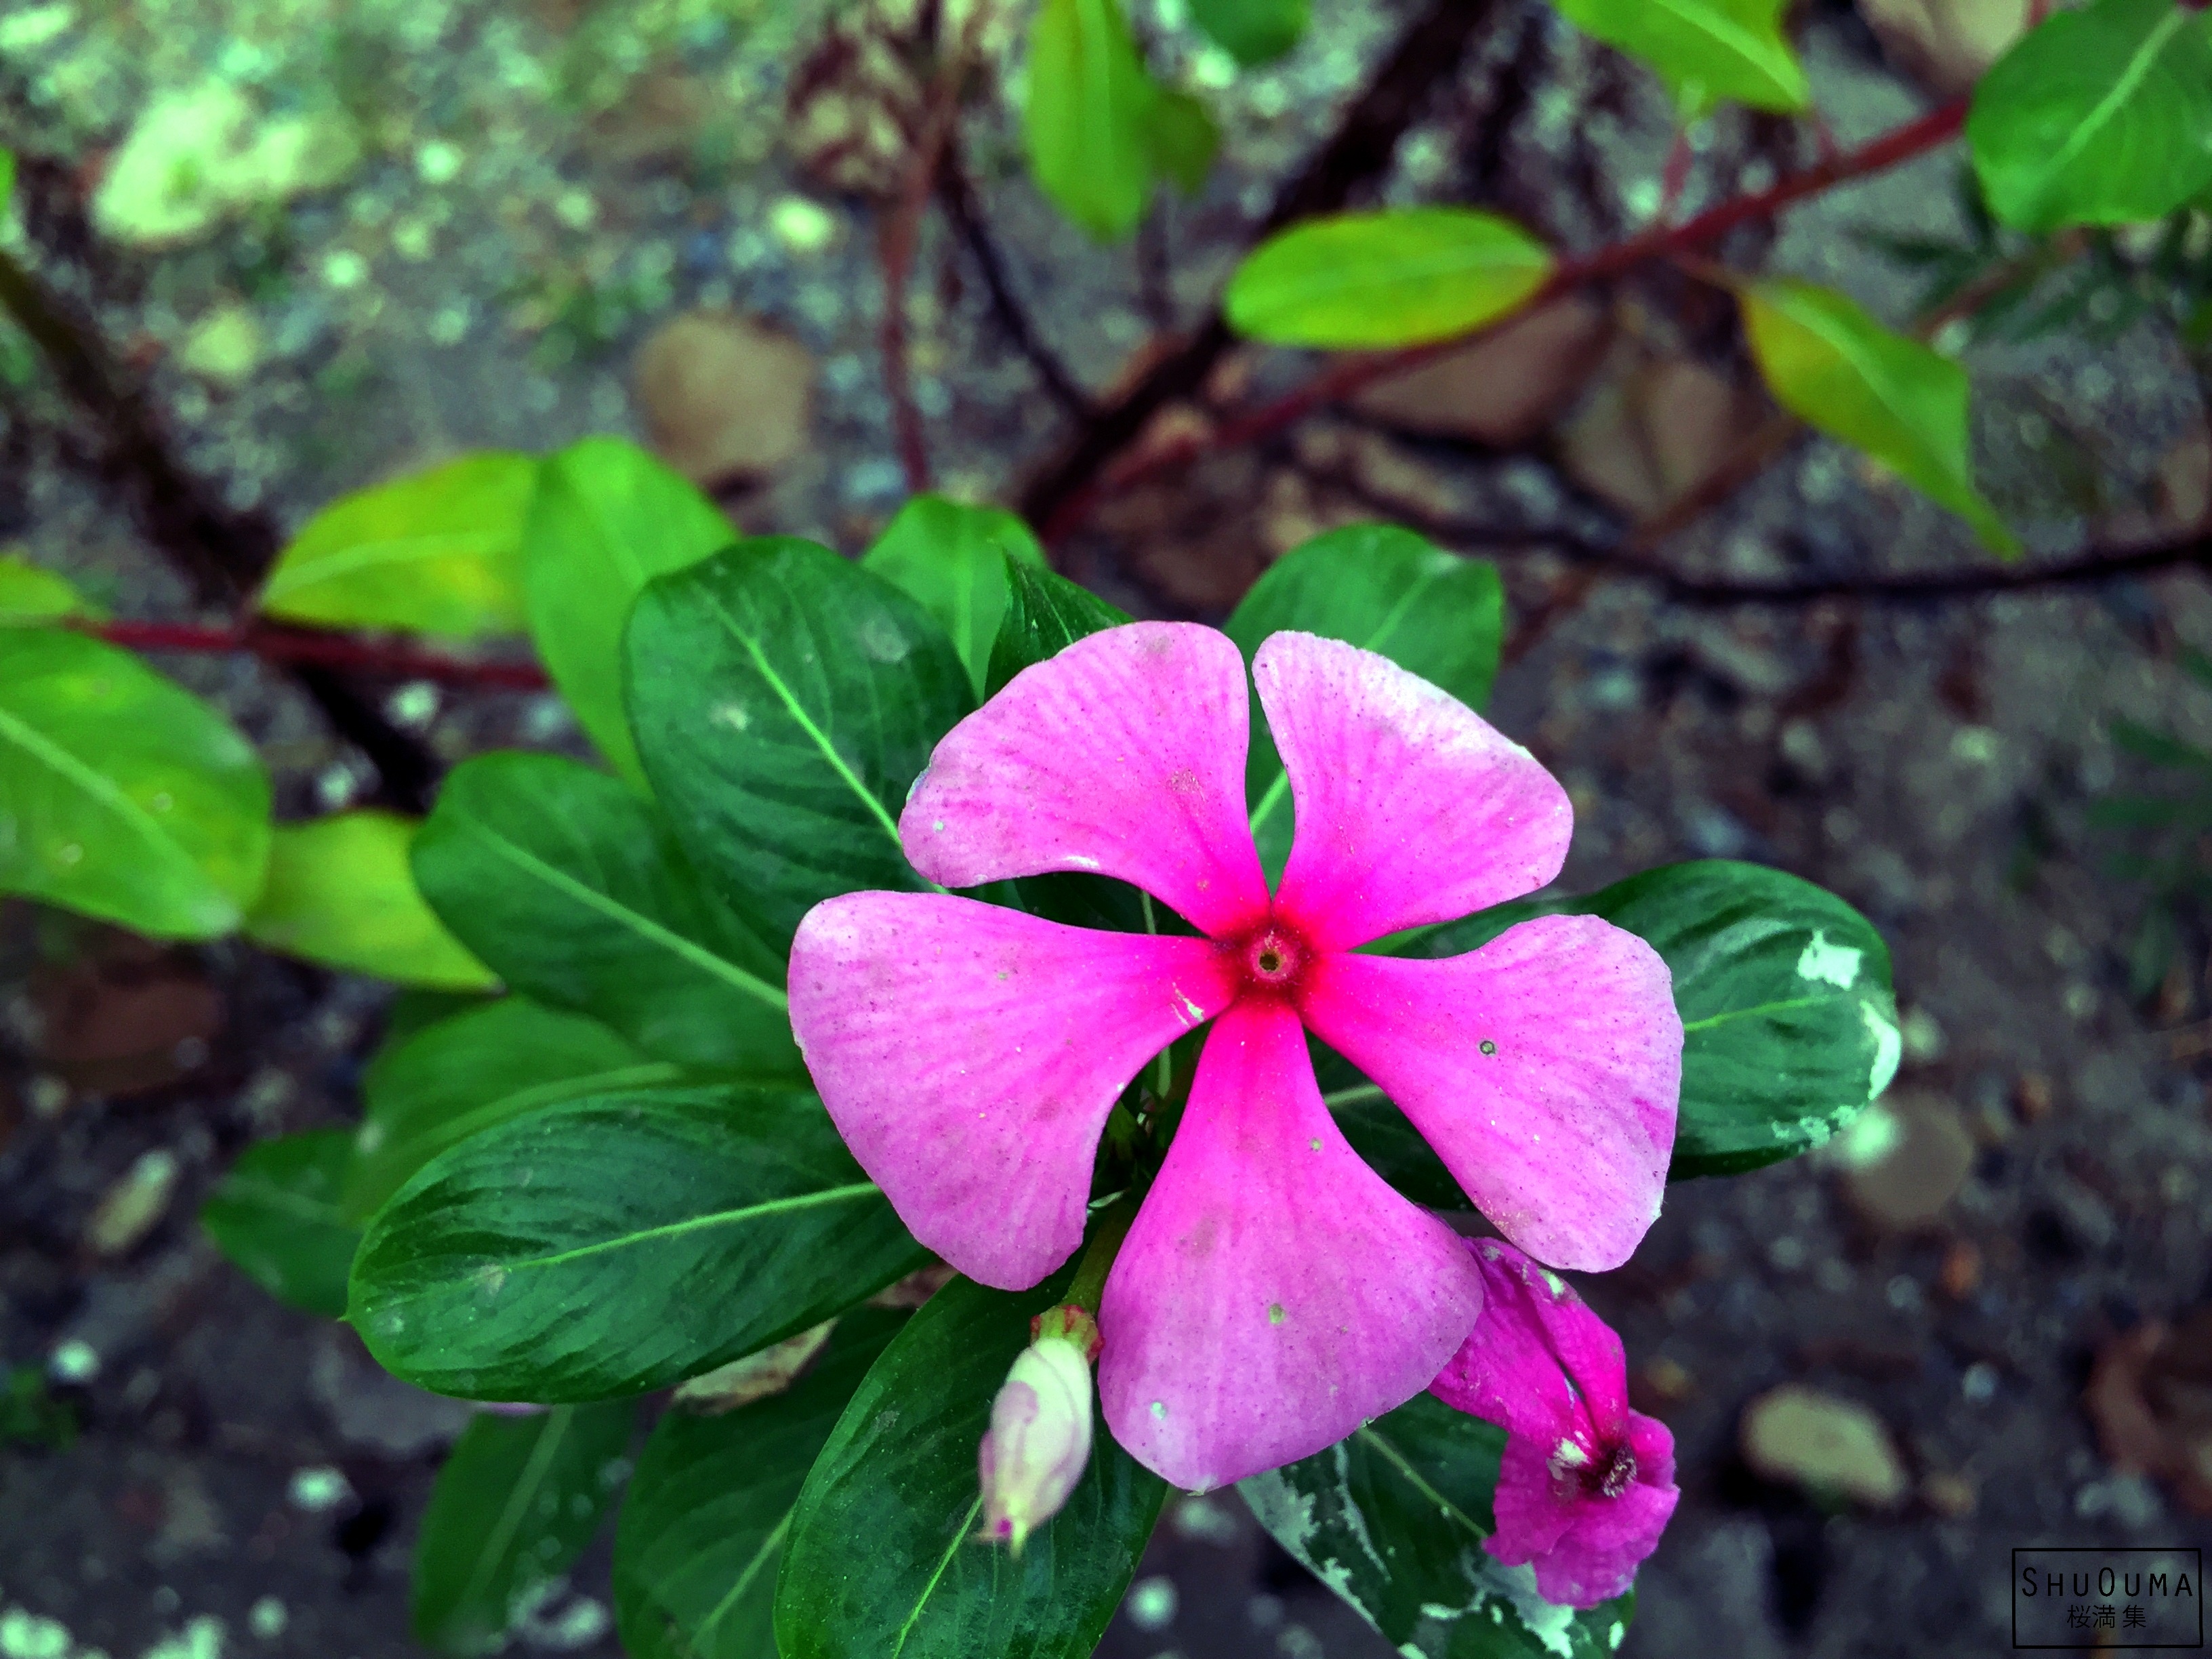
<point x="433" y="1088"/>
<point x="276" y="1216"/>
<point x="1252" y="31"/>
<point x="1399" y="277"/>
<point x="1835" y="367"/>
<point x="340" y="892"/>
<point x="951" y="559"/>
<point x="122" y="795"/>
<point x="514" y="1505"/>
<point x="1182" y="140"/>
<point x="2100" y="116"/>
<point x="33" y="593"/>
<point x="1382" y="589"/>
<point x="433" y="553"/>
<point x="1089" y="101"/>
<point x="1709" y="51"/>
<point x="606" y="520"/>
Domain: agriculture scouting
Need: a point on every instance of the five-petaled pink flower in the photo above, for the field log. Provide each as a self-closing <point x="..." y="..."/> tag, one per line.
<point x="1586" y="1485"/>
<point x="1273" y="1292"/>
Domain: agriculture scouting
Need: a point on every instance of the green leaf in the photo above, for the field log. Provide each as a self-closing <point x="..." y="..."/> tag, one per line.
<point x="435" y="553"/>
<point x="1789" y="1025"/>
<point x="1046" y="613"/>
<point x="702" y="1530"/>
<point x="620" y="1243"/>
<point x="573" y="889"/>
<point x="1707" y="51"/>
<point x="32" y="593"/>
<point x="606" y="520"/>
<point x="2101" y="116"/>
<point x="883" y="1556"/>
<point x="1393" y="1520"/>
<point x="514" y="1505"/>
<point x="1182" y="140"/>
<point x="122" y="795"/>
<point x="1089" y="100"/>
<point x="1252" y="31"/>
<point x="1396" y="276"/>
<point x="431" y="1089"/>
<point x="1832" y="365"/>
<point x="1382" y="589"/>
<point x="784" y="701"/>
<point x="340" y="892"/>
<point x="276" y="1216"/>
<point x="951" y="559"/>
<point x="7" y="177"/>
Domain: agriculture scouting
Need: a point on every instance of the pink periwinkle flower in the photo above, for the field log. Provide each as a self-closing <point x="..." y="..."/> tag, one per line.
<point x="1040" y="1435"/>
<point x="1586" y="1485"/>
<point x="1273" y="1291"/>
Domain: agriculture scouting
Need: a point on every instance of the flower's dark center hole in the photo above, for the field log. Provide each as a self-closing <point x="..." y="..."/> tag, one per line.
<point x="1616" y="1474"/>
<point x="1271" y="962"/>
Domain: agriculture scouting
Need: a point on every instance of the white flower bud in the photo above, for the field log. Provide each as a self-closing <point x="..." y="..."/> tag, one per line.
<point x="1040" y="1439"/>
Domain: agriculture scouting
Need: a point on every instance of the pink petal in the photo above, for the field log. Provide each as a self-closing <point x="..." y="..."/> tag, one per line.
<point x="1124" y="756"/>
<point x="1540" y="1362"/>
<point x="1561" y="1135"/>
<point x="1274" y="1294"/>
<point x="1410" y="807"/>
<point x="969" y="1055"/>
<point x="1607" y="1540"/>
<point x="1531" y="1518"/>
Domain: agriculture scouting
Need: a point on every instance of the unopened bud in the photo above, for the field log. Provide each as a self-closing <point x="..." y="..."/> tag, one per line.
<point x="1040" y="1438"/>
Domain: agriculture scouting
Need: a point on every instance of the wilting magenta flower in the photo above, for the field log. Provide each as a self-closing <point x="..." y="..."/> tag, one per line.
<point x="1273" y="1292"/>
<point x="1040" y="1439"/>
<point x="1587" y="1484"/>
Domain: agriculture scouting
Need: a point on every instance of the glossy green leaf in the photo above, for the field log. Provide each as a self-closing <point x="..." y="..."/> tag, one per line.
<point x="1393" y="1520"/>
<point x="276" y="1216"/>
<point x="620" y="1243"/>
<point x="340" y="892"/>
<point x="7" y="176"/>
<point x="1708" y="52"/>
<point x="704" y="1525"/>
<point x="122" y="795"/>
<point x="435" y="553"/>
<point x="951" y="559"/>
<point x="571" y="887"/>
<point x="2100" y="116"/>
<point x="1789" y="1025"/>
<point x="1182" y="139"/>
<point x="785" y="700"/>
<point x="1089" y="99"/>
<point x="882" y="1557"/>
<point x="433" y="1088"/>
<point x="1395" y="276"/>
<point x="607" y="519"/>
<point x="1382" y="589"/>
<point x="1834" y="366"/>
<point x="32" y="593"/>
<point x="514" y="1505"/>
<point x="1045" y="614"/>
<point x="1252" y="31"/>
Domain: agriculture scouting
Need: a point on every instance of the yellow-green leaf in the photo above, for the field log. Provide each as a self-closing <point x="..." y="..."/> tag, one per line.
<point x="32" y="593"/>
<point x="340" y="891"/>
<point x="435" y="553"/>
<point x="1830" y="364"/>
<point x="1709" y="51"/>
<point x="1398" y="277"/>
<point x="1089" y="101"/>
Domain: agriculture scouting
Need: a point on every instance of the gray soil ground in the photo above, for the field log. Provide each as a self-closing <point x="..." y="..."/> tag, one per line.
<point x="538" y="187"/>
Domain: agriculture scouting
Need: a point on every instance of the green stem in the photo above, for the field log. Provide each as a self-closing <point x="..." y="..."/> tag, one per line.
<point x="1105" y="1245"/>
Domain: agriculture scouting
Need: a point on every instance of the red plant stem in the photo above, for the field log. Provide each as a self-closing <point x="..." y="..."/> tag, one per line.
<point x="1349" y="375"/>
<point x="298" y="645"/>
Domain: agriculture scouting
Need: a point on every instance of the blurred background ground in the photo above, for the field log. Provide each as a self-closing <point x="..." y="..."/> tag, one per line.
<point x="413" y="227"/>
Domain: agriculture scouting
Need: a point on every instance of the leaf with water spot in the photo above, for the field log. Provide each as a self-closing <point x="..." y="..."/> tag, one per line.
<point x="784" y="701"/>
<point x="276" y="1216"/>
<point x="951" y="559"/>
<point x="704" y="1525"/>
<point x="1393" y="1520"/>
<point x="1385" y="590"/>
<point x="882" y="1557"/>
<point x="621" y="1243"/>
<point x="515" y="1504"/>
<point x="122" y="795"/>
<point x="571" y="887"/>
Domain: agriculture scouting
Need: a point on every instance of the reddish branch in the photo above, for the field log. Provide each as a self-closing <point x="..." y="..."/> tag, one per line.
<point x="1349" y="375"/>
<point x="296" y="647"/>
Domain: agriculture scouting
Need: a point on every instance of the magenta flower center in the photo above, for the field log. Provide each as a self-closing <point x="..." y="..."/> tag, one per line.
<point x="1270" y="959"/>
<point x="1613" y="1476"/>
